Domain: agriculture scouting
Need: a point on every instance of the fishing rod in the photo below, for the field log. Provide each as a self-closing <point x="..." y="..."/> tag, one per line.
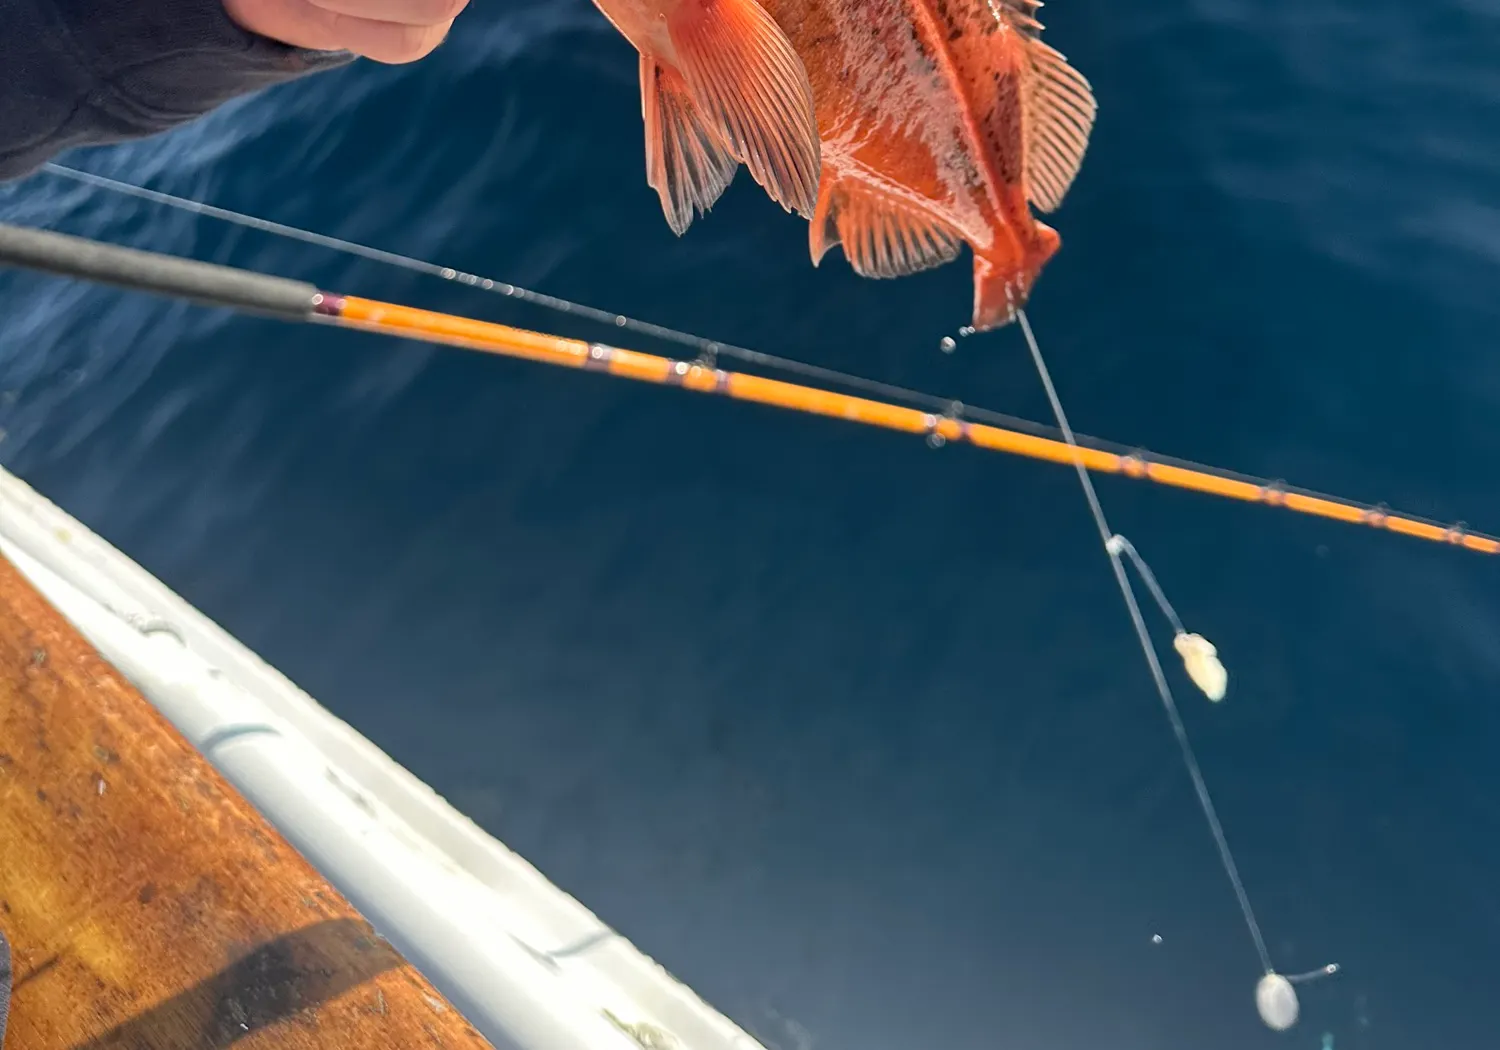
<point x="1134" y="462"/>
<point x="246" y="291"/>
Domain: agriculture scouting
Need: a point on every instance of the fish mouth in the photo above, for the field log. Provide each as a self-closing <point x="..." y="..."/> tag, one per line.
<point x="1000" y="292"/>
<point x="1003" y="280"/>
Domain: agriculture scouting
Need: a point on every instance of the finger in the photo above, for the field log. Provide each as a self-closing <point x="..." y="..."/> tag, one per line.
<point x="300" y="24"/>
<point x="387" y="42"/>
<point x="401" y="12"/>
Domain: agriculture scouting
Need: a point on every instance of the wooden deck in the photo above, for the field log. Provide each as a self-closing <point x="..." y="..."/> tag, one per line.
<point x="146" y="903"/>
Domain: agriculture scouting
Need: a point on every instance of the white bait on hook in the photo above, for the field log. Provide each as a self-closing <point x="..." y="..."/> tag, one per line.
<point x="1276" y="1000"/>
<point x="1202" y="662"/>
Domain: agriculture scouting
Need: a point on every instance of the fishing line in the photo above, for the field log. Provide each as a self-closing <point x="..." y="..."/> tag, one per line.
<point x="1275" y="1010"/>
<point x="1127" y="548"/>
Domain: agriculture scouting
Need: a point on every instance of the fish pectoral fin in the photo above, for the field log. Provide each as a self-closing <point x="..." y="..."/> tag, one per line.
<point x="686" y="160"/>
<point x="1022" y="15"/>
<point x="881" y="236"/>
<point x="753" y="88"/>
<point x="1059" y="112"/>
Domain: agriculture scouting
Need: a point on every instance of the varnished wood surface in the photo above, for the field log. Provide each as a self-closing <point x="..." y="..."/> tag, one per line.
<point x="146" y="903"/>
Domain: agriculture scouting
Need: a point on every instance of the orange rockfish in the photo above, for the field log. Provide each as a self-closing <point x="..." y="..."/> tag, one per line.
<point x="720" y="85"/>
<point x="940" y="120"/>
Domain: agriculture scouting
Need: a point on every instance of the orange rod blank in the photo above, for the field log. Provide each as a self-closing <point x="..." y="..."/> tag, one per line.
<point x="51" y="252"/>
<point x="433" y="327"/>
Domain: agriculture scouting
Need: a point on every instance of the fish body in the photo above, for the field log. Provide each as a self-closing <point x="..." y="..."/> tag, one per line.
<point x="940" y="120"/>
<point x="720" y="86"/>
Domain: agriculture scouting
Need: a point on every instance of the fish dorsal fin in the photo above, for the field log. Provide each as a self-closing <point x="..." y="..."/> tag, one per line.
<point x="753" y="88"/>
<point x="882" y="236"/>
<point x="686" y="162"/>
<point x="1059" y="116"/>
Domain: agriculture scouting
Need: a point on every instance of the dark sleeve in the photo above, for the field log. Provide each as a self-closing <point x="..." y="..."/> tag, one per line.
<point x="86" y="72"/>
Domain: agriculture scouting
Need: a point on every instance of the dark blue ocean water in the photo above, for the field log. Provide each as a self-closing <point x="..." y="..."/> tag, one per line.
<point x="852" y="734"/>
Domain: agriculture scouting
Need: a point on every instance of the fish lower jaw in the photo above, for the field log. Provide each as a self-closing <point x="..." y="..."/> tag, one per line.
<point x="1005" y="275"/>
<point x="1001" y="290"/>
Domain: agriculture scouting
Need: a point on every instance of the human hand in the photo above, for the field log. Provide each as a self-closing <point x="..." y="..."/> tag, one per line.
<point x="392" y="31"/>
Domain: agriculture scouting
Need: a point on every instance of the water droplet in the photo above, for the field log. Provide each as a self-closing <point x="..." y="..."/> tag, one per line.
<point x="947" y="344"/>
<point x="619" y="321"/>
<point x="966" y="330"/>
<point x="1156" y="938"/>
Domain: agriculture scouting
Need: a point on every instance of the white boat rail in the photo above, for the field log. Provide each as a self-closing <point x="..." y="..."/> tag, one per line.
<point x="528" y="965"/>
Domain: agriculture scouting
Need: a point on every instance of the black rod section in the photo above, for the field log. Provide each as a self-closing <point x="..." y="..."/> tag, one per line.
<point x="206" y="283"/>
